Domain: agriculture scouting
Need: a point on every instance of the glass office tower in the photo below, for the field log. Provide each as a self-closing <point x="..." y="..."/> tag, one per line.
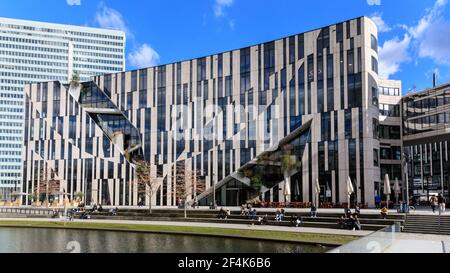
<point x="35" y="52"/>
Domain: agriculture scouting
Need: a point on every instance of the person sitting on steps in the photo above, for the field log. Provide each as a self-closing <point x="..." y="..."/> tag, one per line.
<point x="296" y="220"/>
<point x="347" y="213"/>
<point x="313" y="212"/>
<point x="222" y="214"/>
<point x="384" y="212"/>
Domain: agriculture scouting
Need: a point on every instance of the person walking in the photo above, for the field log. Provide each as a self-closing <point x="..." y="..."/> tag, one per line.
<point x="433" y="203"/>
<point x="441" y="203"/>
<point x="378" y="201"/>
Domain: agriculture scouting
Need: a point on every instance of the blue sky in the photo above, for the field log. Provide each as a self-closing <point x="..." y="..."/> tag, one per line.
<point x="414" y="34"/>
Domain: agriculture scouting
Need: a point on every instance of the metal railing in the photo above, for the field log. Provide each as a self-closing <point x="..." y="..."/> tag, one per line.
<point x="376" y="242"/>
<point x="26" y="211"/>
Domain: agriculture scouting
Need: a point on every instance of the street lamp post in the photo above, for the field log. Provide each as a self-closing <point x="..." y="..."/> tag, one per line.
<point x="214" y="189"/>
<point x="406" y="161"/>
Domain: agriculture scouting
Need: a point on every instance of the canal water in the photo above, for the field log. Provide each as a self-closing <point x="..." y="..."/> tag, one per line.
<point x="41" y="240"/>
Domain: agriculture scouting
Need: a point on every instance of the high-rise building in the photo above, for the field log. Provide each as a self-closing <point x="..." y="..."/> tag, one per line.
<point x="35" y="52"/>
<point x="266" y="121"/>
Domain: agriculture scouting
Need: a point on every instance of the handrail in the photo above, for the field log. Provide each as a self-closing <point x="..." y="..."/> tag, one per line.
<point x="27" y="211"/>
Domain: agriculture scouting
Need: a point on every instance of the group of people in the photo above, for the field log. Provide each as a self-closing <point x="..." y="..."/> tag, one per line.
<point x="96" y="208"/>
<point x="246" y="209"/>
<point x="279" y="215"/>
<point x="181" y="203"/>
<point x="437" y="203"/>
<point x="83" y="214"/>
<point x="350" y="220"/>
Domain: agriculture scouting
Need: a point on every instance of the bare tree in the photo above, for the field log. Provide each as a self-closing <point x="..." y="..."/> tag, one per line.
<point x="188" y="185"/>
<point x="147" y="180"/>
<point x="47" y="182"/>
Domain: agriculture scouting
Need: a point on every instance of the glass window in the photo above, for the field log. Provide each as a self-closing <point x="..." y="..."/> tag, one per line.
<point x="269" y="55"/>
<point x="245" y="70"/>
<point x="374" y="43"/>
<point x="340" y="32"/>
<point x="354" y="90"/>
<point x="375" y="158"/>
<point x="143" y="79"/>
<point x="291" y="50"/>
<point x="376" y="128"/>
<point x="301" y="89"/>
<point x="301" y="46"/>
<point x="129" y="101"/>
<point x="375" y="97"/>
<point x="245" y="60"/>
<point x="310" y="68"/>
<point x="220" y="65"/>
<point x="348" y="124"/>
<point x="359" y="26"/>
<point x="330" y="82"/>
<point x="201" y="69"/>
<point x="359" y="59"/>
<point x="143" y="99"/>
<point x="374" y="65"/>
<point x="228" y="86"/>
<point x="133" y="81"/>
<point x="326" y="126"/>
<point x="348" y="28"/>
<point x="350" y="62"/>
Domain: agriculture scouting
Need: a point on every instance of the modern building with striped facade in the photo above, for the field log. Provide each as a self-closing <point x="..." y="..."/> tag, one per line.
<point x="426" y="140"/>
<point x="262" y="122"/>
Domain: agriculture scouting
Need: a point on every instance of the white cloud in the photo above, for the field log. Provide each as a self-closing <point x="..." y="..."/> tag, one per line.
<point x="73" y="2"/>
<point x="145" y="56"/>
<point x="110" y="18"/>
<point x="426" y="21"/>
<point x="429" y="38"/>
<point x="432" y="34"/>
<point x="220" y="6"/>
<point x="392" y="54"/>
<point x="435" y="42"/>
<point x="373" y="2"/>
<point x="232" y="24"/>
<point x="378" y="20"/>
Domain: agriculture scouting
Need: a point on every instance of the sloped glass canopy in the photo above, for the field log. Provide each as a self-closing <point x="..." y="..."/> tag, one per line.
<point x="262" y="173"/>
<point x="111" y="120"/>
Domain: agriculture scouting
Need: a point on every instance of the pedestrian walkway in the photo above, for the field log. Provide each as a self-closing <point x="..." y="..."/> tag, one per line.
<point x="419" y="243"/>
<point x="213" y="225"/>
<point x="418" y="211"/>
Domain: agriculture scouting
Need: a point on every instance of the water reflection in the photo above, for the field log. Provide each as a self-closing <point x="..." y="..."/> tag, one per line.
<point x="29" y="240"/>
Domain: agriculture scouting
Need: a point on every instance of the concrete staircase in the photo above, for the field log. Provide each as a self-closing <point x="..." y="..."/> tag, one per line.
<point x="427" y="224"/>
